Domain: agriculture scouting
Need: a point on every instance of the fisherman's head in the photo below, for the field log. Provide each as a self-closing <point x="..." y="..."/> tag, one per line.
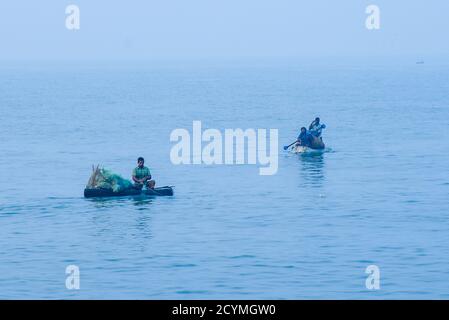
<point x="317" y="120"/>
<point x="303" y="130"/>
<point x="140" y="162"/>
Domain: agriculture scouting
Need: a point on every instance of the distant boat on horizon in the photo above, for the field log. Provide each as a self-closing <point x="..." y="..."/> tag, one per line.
<point x="420" y="62"/>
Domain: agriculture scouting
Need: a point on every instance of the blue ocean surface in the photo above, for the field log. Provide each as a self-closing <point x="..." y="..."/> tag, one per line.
<point x="378" y="197"/>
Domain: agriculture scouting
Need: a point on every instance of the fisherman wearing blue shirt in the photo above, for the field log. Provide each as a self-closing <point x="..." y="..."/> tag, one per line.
<point x="315" y="128"/>
<point x="304" y="138"/>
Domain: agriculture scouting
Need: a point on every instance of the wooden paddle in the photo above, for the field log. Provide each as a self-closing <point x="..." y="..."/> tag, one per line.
<point x="286" y="147"/>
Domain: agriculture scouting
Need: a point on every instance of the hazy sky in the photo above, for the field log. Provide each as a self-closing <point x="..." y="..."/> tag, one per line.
<point x="147" y="29"/>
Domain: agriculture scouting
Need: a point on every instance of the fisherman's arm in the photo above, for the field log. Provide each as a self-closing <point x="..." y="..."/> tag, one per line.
<point x="147" y="176"/>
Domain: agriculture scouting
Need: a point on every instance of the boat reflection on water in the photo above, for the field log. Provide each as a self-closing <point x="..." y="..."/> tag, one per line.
<point x="312" y="169"/>
<point x="136" y="214"/>
<point x="140" y="201"/>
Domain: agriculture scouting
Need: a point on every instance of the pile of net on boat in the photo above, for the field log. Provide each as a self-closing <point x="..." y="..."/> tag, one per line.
<point x="105" y="179"/>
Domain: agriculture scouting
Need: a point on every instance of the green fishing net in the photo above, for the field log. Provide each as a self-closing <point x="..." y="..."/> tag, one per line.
<point x="105" y="179"/>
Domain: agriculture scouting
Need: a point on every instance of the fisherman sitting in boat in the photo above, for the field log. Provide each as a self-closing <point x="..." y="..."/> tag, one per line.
<point x="315" y="127"/>
<point x="142" y="175"/>
<point x="304" y="138"/>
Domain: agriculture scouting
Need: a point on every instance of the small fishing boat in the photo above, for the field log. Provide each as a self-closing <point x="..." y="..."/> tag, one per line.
<point x="104" y="183"/>
<point x="316" y="146"/>
<point x="102" y="192"/>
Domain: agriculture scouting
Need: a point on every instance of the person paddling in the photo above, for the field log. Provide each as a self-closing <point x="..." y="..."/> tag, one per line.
<point x="142" y="176"/>
<point x="304" y="138"/>
<point x="316" y="128"/>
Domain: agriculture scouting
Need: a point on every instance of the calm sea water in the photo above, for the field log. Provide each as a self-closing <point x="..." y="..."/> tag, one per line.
<point x="379" y="197"/>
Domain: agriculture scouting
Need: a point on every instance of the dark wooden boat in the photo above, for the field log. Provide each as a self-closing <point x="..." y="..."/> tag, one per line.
<point x="101" y="193"/>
